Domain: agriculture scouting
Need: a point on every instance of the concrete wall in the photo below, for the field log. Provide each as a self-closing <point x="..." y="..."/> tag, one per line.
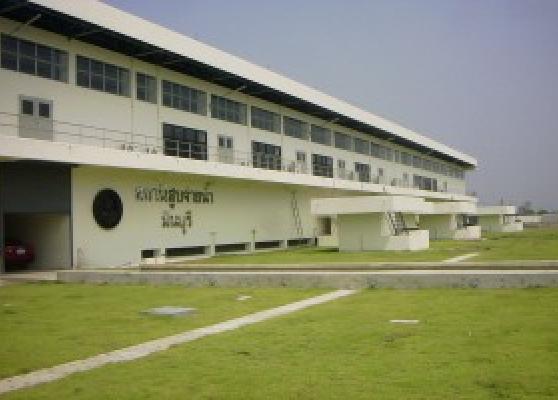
<point x="446" y="227"/>
<point x="102" y="110"/>
<point x="242" y="212"/>
<point x="498" y="223"/>
<point x="341" y="280"/>
<point x="364" y="232"/>
<point x="468" y="233"/>
<point x="439" y="226"/>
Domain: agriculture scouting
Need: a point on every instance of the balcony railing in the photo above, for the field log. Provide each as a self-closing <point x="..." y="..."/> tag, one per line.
<point x="73" y="133"/>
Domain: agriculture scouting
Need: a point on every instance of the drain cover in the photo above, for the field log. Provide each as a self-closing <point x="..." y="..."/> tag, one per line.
<point x="170" y="311"/>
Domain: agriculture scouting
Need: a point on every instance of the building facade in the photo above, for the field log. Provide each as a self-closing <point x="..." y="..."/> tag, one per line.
<point x="121" y="141"/>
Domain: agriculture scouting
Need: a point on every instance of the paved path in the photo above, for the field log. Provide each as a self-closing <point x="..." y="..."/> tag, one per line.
<point x="395" y="279"/>
<point x="157" y="345"/>
<point x="460" y="258"/>
<point x="30" y="276"/>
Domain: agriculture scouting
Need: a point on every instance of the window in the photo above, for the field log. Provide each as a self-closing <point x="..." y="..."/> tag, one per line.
<point x="375" y="150"/>
<point x="396" y="156"/>
<point x="184" y="142"/>
<point x="27" y="107"/>
<point x="225" y="142"/>
<point x="363" y="172"/>
<point x="35" y="59"/>
<point x="425" y="183"/>
<point x="266" y="120"/>
<point x="295" y="128"/>
<point x="228" y="110"/>
<point x="362" y="146"/>
<point x="266" y="155"/>
<point x="343" y="141"/>
<point x="388" y="154"/>
<point x="417" y="162"/>
<point x="427" y="165"/>
<point x="301" y="161"/>
<point x="44" y="110"/>
<point x="320" y="135"/>
<point x="341" y="172"/>
<point x="146" y="88"/>
<point x="184" y="98"/>
<point x="36" y="107"/>
<point x="324" y="224"/>
<point x="101" y="76"/>
<point x="406" y="159"/>
<point x="225" y="152"/>
<point x="322" y="165"/>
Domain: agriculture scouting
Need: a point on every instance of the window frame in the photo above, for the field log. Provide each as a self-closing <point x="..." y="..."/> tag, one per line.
<point x="228" y="110"/>
<point x="148" y="84"/>
<point x="101" y="74"/>
<point x="56" y="61"/>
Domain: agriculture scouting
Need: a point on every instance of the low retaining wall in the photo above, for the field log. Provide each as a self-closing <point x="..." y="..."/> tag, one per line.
<point x="324" y="279"/>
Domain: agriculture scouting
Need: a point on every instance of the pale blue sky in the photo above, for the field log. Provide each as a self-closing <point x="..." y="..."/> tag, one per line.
<point x="478" y="75"/>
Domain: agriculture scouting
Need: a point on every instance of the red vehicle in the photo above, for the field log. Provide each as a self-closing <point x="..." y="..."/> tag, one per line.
<point x="17" y="253"/>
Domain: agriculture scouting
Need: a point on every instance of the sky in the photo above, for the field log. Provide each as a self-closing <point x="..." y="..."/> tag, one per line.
<point x="478" y="75"/>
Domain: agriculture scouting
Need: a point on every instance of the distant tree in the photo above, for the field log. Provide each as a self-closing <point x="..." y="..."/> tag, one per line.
<point x="526" y="208"/>
<point x="542" y="211"/>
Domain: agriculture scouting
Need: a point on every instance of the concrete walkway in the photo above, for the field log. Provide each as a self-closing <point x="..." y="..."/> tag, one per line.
<point x="30" y="276"/>
<point x="395" y="279"/>
<point x="460" y="258"/>
<point x="157" y="345"/>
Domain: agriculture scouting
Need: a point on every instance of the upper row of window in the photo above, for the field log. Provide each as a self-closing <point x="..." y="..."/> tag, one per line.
<point x="28" y="57"/>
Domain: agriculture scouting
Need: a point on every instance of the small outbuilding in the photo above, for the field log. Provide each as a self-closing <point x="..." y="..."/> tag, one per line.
<point x="375" y="222"/>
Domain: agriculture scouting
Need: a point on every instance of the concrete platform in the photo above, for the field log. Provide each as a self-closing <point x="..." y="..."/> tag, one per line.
<point x="450" y="264"/>
<point x="403" y="279"/>
<point x="30" y="276"/>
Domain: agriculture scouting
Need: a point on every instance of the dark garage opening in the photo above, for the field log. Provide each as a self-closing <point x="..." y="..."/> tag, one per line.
<point x="45" y="235"/>
<point x="35" y="212"/>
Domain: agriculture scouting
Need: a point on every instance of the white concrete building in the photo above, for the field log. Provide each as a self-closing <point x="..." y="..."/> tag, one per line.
<point x="121" y="141"/>
<point x="451" y="220"/>
<point x="498" y="219"/>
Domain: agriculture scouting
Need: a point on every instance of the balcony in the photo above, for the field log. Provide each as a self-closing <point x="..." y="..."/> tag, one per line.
<point x="127" y="148"/>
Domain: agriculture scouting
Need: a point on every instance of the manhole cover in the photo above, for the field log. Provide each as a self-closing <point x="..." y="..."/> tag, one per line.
<point x="171" y="311"/>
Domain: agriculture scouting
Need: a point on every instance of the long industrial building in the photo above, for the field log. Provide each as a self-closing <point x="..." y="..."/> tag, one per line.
<point x="123" y="142"/>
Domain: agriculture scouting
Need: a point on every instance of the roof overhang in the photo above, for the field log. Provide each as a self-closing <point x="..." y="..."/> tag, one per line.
<point x="107" y="27"/>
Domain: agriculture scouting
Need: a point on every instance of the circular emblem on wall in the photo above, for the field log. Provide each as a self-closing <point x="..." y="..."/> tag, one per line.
<point x="107" y="208"/>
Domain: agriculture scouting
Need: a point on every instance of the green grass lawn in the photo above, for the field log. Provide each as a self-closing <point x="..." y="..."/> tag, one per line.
<point x="46" y="324"/>
<point x="469" y="344"/>
<point x="531" y="244"/>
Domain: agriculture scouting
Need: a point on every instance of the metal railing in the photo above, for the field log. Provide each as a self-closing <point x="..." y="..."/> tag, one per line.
<point x="75" y="133"/>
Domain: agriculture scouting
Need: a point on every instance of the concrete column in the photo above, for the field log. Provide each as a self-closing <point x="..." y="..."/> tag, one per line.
<point x="252" y="244"/>
<point x="211" y="247"/>
<point x="441" y="226"/>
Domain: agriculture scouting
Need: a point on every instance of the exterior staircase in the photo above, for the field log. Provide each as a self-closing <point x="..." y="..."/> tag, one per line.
<point x="397" y="223"/>
<point x="296" y="215"/>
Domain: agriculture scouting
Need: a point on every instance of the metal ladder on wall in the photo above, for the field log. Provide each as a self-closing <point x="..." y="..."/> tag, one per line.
<point x="397" y="223"/>
<point x="296" y="215"/>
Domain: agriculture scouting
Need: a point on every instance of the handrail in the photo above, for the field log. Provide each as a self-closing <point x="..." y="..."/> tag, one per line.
<point x="71" y="132"/>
